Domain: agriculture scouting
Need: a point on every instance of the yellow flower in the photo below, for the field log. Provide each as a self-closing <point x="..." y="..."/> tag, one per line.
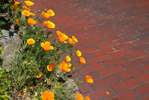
<point x="30" y="41"/>
<point x="45" y="15"/>
<point x="82" y="60"/>
<point x="50" y="66"/>
<point x="26" y="13"/>
<point x="51" y="12"/>
<point x="78" y="53"/>
<point x="65" y="42"/>
<point x="46" y="46"/>
<point x="29" y="3"/>
<point x="39" y="75"/>
<point x="31" y="14"/>
<point x="61" y="36"/>
<point x="31" y="21"/>
<point x="47" y="95"/>
<point x="64" y="66"/>
<point x="49" y="24"/>
<point x="68" y="59"/>
<point x="79" y="96"/>
<point x="87" y="98"/>
<point x="16" y="4"/>
<point x="89" y="79"/>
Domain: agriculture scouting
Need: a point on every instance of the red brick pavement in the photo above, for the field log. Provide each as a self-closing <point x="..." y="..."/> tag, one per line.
<point x="113" y="36"/>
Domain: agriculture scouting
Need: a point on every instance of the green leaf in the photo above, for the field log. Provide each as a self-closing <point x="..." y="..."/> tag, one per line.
<point x="11" y="7"/>
<point x="5" y="6"/>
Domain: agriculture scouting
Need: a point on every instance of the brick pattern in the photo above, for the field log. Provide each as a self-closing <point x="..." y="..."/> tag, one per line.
<point x="113" y="37"/>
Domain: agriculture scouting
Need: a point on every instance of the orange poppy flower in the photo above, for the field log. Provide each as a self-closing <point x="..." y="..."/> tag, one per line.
<point x="46" y="46"/>
<point x="26" y="8"/>
<point x="16" y="4"/>
<point x="50" y="66"/>
<point x="31" y="21"/>
<point x="47" y="95"/>
<point x="78" y="53"/>
<point x="79" y="96"/>
<point x="17" y="21"/>
<point x="87" y="98"/>
<point x="30" y="41"/>
<point x="19" y="95"/>
<point x="61" y="36"/>
<point x="39" y="75"/>
<point x="51" y="12"/>
<point x="29" y="3"/>
<point x="45" y="15"/>
<point x="70" y="41"/>
<point x="26" y="13"/>
<point x="107" y="93"/>
<point x="82" y="60"/>
<point x="89" y="79"/>
<point x="68" y="59"/>
<point x="31" y="14"/>
<point x="49" y="24"/>
<point x="74" y="39"/>
<point x="64" y="66"/>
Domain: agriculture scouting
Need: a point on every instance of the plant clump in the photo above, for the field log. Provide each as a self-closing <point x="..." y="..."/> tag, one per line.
<point x="39" y="64"/>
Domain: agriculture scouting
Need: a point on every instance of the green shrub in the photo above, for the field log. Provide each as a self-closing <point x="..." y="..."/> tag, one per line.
<point x="4" y="82"/>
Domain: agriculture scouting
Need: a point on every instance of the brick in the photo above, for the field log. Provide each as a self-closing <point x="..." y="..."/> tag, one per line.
<point x="145" y="98"/>
<point x="78" y="46"/>
<point x="98" y="37"/>
<point x="91" y="43"/>
<point x="105" y="81"/>
<point x="124" y="85"/>
<point x="120" y="53"/>
<point x="111" y="38"/>
<point x="124" y="40"/>
<point x="102" y="51"/>
<point x="75" y="74"/>
<point x="85" y="88"/>
<point x="109" y="44"/>
<point x="129" y="34"/>
<point x="91" y="68"/>
<point x="82" y="41"/>
<point x="115" y="61"/>
<point x="89" y="49"/>
<point x="144" y="77"/>
<point x="139" y="47"/>
<point x="84" y="36"/>
<point x="98" y="59"/>
<point x="143" y="90"/>
<point x="147" y="57"/>
<point x="137" y="55"/>
<point x="145" y="67"/>
<point x="94" y="75"/>
<point x="122" y="46"/>
<point x="128" y="95"/>
<point x="95" y="94"/>
<point x="130" y="73"/>
<point x="143" y="41"/>
<point x="87" y="55"/>
<point x="111" y="70"/>
<point x="135" y="63"/>
<point x="114" y="33"/>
